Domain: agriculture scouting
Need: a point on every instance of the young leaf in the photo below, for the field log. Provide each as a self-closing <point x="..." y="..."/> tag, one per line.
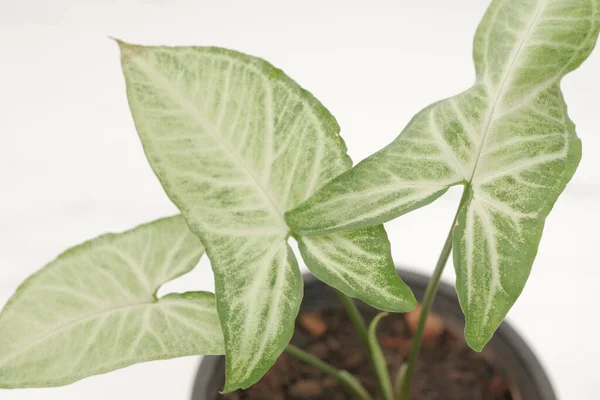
<point x="235" y="143"/>
<point x="94" y="310"/>
<point x="508" y="138"/>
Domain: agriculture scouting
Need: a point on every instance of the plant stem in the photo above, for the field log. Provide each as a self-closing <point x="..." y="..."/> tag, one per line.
<point x="343" y="377"/>
<point x="355" y="317"/>
<point x="384" y="383"/>
<point x="378" y="360"/>
<point x="407" y="370"/>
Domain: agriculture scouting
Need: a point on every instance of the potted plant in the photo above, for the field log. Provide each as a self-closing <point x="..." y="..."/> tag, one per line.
<point x="254" y="162"/>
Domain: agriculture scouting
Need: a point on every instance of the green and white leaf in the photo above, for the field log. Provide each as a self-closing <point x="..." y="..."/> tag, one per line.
<point x="94" y="309"/>
<point x="236" y="143"/>
<point x="339" y="259"/>
<point x="508" y="138"/>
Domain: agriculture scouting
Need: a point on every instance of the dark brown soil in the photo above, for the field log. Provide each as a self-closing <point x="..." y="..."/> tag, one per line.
<point x="447" y="368"/>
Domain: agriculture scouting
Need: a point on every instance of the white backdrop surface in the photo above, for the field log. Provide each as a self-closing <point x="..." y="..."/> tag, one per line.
<point x="71" y="165"/>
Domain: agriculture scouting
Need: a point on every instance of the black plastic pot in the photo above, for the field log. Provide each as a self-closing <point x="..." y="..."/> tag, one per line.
<point x="506" y="349"/>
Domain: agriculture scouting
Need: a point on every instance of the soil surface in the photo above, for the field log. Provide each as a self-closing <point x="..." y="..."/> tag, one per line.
<point x="447" y="368"/>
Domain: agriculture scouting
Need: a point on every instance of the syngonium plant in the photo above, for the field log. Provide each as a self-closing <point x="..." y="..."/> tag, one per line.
<point x="253" y="161"/>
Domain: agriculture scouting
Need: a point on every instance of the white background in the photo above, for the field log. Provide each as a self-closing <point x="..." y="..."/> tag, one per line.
<point x="71" y="166"/>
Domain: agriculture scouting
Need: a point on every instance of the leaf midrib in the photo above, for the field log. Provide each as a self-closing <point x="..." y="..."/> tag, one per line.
<point x="500" y="91"/>
<point x="73" y="323"/>
<point x="177" y="97"/>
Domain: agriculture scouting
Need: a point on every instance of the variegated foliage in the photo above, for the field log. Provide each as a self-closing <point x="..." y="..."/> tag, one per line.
<point x="508" y="139"/>
<point x="236" y="143"/>
<point x="94" y="309"/>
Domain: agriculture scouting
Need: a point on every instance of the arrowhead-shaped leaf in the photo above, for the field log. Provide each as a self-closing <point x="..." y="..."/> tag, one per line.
<point x="236" y="143"/>
<point x="508" y="138"/>
<point x="94" y="310"/>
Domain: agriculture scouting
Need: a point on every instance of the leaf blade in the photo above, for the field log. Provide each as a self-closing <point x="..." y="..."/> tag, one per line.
<point x="235" y="143"/>
<point x="88" y="312"/>
<point x="371" y="193"/>
<point x="274" y="304"/>
<point x="359" y="264"/>
<point x="508" y="137"/>
<point x="528" y="153"/>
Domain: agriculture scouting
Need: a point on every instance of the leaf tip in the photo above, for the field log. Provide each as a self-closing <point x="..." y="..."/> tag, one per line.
<point x="128" y="50"/>
<point x="231" y="385"/>
<point x="405" y="301"/>
<point x="476" y="339"/>
<point x="239" y="378"/>
<point x="478" y="347"/>
<point x="411" y="301"/>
